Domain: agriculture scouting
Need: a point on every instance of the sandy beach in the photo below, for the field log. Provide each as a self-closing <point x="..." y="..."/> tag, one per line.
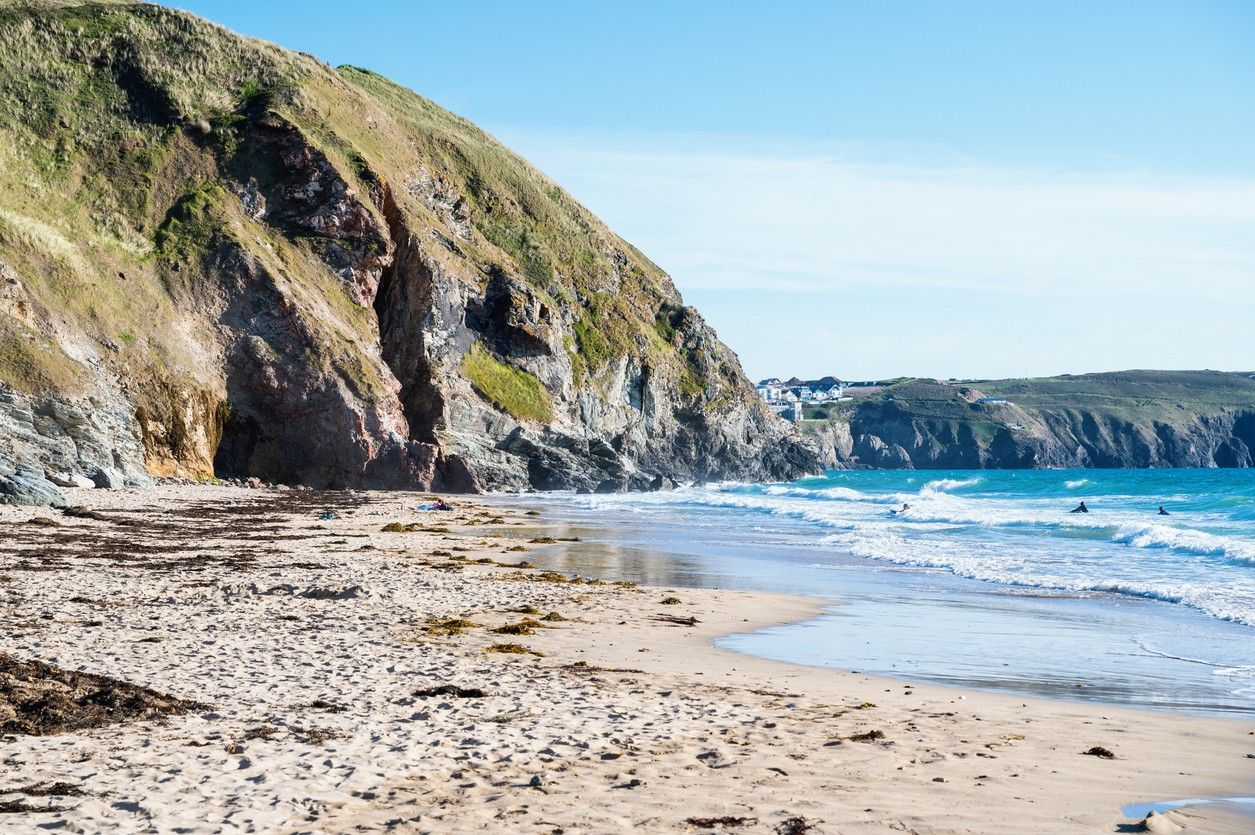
<point x="348" y="678"/>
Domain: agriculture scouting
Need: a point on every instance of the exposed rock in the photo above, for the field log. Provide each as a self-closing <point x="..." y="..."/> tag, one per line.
<point x="1159" y="822"/>
<point x="108" y="479"/>
<point x="74" y="436"/>
<point x="71" y="480"/>
<point x="934" y="426"/>
<point x="419" y="309"/>
<point x="24" y="484"/>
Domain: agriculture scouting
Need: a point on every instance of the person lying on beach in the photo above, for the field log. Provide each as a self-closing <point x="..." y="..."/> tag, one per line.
<point x="1081" y="508"/>
<point x="438" y="504"/>
<point x="1163" y="512"/>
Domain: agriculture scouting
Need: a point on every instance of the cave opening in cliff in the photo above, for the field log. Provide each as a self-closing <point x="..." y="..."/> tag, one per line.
<point x="240" y="433"/>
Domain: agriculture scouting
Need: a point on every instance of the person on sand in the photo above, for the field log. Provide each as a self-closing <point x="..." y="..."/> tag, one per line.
<point x="440" y="504"/>
<point x="1163" y="512"/>
<point x="1081" y="508"/>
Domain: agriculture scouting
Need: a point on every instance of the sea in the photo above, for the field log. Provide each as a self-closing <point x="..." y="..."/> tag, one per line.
<point x="975" y="578"/>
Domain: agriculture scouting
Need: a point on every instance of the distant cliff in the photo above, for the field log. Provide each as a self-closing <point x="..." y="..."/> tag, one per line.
<point x="222" y="258"/>
<point x="1122" y="419"/>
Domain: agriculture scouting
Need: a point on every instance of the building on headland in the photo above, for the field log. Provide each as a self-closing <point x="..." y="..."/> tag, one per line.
<point x="789" y="398"/>
<point x="784" y="395"/>
<point x="770" y="389"/>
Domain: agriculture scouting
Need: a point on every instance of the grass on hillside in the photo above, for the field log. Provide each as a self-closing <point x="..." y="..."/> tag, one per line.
<point x="33" y="364"/>
<point x="509" y="388"/>
<point x="122" y="127"/>
<point x="1134" y="396"/>
<point x="1139" y="393"/>
<point x="622" y="301"/>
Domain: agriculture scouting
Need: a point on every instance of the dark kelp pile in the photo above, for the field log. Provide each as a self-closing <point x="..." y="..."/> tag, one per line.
<point x="40" y="699"/>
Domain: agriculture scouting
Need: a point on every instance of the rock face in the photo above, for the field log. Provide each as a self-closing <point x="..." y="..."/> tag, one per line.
<point x="1126" y="419"/>
<point x="74" y="438"/>
<point x="24" y="483"/>
<point x="218" y="257"/>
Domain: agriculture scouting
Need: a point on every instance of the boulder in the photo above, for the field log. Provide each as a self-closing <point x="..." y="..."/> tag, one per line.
<point x="661" y="482"/>
<point x="108" y="478"/>
<point x="71" y="480"/>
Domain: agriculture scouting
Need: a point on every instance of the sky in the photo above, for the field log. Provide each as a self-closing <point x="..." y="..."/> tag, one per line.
<point x="947" y="188"/>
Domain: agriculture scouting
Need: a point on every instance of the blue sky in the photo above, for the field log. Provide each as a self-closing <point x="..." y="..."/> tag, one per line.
<point x="868" y="189"/>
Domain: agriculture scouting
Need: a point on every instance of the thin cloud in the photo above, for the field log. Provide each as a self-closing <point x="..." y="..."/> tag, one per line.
<point x="821" y="223"/>
<point x="957" y="268"/>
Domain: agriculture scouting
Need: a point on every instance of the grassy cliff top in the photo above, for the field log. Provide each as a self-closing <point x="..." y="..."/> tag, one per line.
<point x="1164" y="396"/>
<point x="1196" y="390"/>
<point x="120" y="122"/>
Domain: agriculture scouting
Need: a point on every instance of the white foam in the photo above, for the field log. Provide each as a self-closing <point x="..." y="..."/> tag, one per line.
<point x="943" y="485"/>
<point x="1235" y="672"/>
<point x="1019" y="538"/>
<point x="1186" y="540"/>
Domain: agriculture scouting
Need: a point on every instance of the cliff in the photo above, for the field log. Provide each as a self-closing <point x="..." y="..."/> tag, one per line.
<point x="222" y="258"/>
<point x="1121" y="419"/>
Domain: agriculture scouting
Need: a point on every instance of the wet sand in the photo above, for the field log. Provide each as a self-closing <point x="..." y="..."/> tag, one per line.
<point x="349" y="685"/>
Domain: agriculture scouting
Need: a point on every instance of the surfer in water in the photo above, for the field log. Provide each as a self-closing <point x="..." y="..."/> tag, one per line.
<point x="1081" y="508"/>
<point x="1163" y="512"/>
<point x="905" y="508"/>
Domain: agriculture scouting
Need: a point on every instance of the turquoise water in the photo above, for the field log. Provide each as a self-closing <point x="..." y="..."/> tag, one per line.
<point x="1014" y="527"/>
<point x="985" y="579"/>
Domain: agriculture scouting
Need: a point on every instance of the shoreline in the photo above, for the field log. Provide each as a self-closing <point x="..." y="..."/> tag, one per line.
<point x="655" y="727"/>
<point x="1098" y="646"/>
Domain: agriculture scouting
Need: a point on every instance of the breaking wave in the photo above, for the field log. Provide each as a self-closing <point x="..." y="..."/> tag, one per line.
<point x="943" y="485"/>
<point x="1014" y="528"/>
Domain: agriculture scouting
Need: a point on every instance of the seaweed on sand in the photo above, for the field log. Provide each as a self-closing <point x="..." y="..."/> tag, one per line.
<point x="451" y="690"/>
<point x="584" y="668"/>
<point x="726" y="820"/>
<point x="58" y="789"/>
<point x="514" y="649"/>
<point x="315" y="736"/>
<point x="22" y="807"/>
<point x="1101" y="752"/>
<point x="39" y="699"/>
<point x="448" y="627"/>
<point x="527" y="626"/>
<point x="675" y="620"/>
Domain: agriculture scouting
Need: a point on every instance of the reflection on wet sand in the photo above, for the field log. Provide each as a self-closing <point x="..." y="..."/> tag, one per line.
<point x="917" y="624"/>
